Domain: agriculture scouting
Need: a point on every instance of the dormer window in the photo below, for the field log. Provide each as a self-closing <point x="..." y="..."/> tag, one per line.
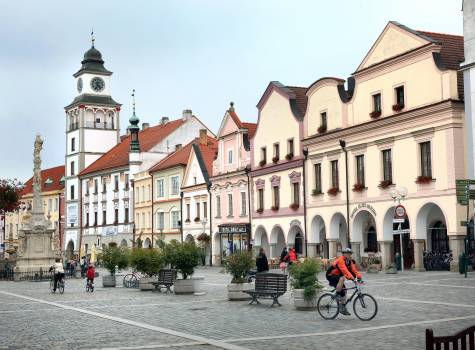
<point x="263" y="156"/>
<point x="399" y="98"/>
<point x="276" y="156"/>
<point x="376" y="106"/>
<point x="323" y="123"/>
<point x="230" y="156"/>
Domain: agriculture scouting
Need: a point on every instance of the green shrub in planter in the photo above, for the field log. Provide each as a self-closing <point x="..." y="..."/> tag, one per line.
<point x="238" y="264"/>
<point x="114" y="256"/>
<point x="304" y="276"/>
<point x="147" y="261"/>
<point x="183" y="257"/>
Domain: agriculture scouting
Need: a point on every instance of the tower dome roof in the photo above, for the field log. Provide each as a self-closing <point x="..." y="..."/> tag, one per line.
<point x="92" y="63"/>
<point x="93" y="54"/>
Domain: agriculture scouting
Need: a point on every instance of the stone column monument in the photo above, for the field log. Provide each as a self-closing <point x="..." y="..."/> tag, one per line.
<point x="36" y="237"/>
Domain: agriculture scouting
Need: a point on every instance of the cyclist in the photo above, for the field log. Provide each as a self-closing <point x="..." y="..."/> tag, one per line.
<point x="58" y="270"/>
<point x="90" y="274"/>
<point x="342" y="268"/>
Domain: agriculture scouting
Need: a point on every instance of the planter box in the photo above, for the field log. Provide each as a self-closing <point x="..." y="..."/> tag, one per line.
<point x="198" y="285"/>
<point x="108" y="281"/>
<point x="374" y="268"/>
<point x="145" y="283"/>
<point x="300" y="303"/>
<point x="182" y="286"/>
<point x="235" y="291"/>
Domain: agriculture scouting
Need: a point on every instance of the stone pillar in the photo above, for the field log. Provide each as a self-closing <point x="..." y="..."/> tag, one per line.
<point x="273" y="250"/>
<point x="332" y="251"/>
<point x="457" y="246"/>
<point x="312" y="250"/>
<point x="356" y="247"/>
<point x="387" y="256"/>
<point x="418" y="254"/>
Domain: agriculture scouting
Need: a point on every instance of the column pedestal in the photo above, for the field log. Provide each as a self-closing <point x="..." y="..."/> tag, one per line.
<point x="332" y="250"/>
<point x="457" y="246"/>
<point x="418" y="255"/>
<point x="273" y="250"/>
<point x="312" y="250"/>
<point x="356" y="247"/>
<point x="387" y="256"/>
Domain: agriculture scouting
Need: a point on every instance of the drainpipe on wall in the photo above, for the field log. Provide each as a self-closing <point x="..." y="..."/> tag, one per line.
<point x="132" y="185"/>
<point x="153" y="215"/>
<point x="249" y="234"/>
<point x="80" y="218"/>
<point x="343" y="147"/>
<point x="210" y="227"/>
<point x="305" y="154"/>
<point x="181" y="216"/>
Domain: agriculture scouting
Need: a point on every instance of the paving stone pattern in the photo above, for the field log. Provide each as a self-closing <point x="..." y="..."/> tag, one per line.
<point x="408" y="304"/>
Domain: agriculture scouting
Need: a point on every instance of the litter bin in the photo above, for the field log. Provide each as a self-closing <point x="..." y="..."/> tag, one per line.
<point x="397" y="260"/>
<point x="462" y="262"/>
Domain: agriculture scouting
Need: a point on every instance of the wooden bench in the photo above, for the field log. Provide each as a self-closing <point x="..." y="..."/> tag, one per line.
<point x="466" y="338"/>
<point x="166" y="277"/>
<point x="268" y="285"/>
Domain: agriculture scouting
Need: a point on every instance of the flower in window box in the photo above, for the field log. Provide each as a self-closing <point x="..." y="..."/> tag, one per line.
<point x="187" y="220"/>
<point x="316" y="192"/>
<point x="398" y="107"/>
<point x="203" y="237"/>
<point x="294" y="206"/>
<point x="260" y="210"/>
<point x="424" y="179"/>
<point x="275" y="207"/>
<point x="321" y="129"/>
<point x="275" y="159"/>
<point x="333" y="191"/>
<point x="289" y="156"/>
<point x="375" y="114"/>
<point x="358" y="188"/>
<point x="262" y="162"/>
<point x="385" y="183"/>
<point x="197" y="219"/>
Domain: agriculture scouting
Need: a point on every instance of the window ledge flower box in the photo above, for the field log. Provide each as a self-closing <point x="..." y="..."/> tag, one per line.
<point x="289" y="156"/>
<point x="385" y="184"/>
<point x="197" y="219"/>
<point x="294" y="206"/>
<point x="322" y="129"/>
<point x="275" y="159"/>
<point x="262" y="162"/>
<point x="424" y="179"/>
<point x="260" y="210"/>
<point x="316" y="192"/>
<point x="333" y="191"/>
<point x="274" y="208"/>
<point x="375" y="114"/>
<point x="398" y="107"/>
<point x="358" y="188"/>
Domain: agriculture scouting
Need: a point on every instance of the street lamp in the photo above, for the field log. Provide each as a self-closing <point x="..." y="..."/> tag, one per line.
<point x="398" y="195"/>
<point x="343" y="147"/>
<point x="204" y="222"/>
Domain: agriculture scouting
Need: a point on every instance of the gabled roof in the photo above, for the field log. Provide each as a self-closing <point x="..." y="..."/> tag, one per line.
<point x="205" y="156"/>
<point x="50" y="180"/>
<point x="251" y="128"/>
<point x="118" y="155"/>
<point x="179" y="157"/>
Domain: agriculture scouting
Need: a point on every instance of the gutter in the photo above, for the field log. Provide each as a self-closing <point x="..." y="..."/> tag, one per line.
<point x="305" y="154"/>
<point x="248" y="170"/>
<point x="210" y="226"/>
<point x="181" y="216"/>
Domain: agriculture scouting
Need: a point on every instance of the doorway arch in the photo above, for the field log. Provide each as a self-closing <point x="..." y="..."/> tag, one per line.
<point x="277" y="241"/>
<point x="70" y="250"/>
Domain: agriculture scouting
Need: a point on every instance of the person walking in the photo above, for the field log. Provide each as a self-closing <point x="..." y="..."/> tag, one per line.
<point x="291" y="257"/>
<point x="283" y="254"/>
<point x="261" y="261"/>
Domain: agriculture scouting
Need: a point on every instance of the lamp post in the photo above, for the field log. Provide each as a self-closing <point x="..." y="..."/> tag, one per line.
<point x="398" y="195"/>
<point x="343" y="147"/>
<point x="204" y="222"/>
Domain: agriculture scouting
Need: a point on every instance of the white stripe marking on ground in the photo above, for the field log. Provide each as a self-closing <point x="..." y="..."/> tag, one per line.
<point x="344" y="331"/>
<point x="196" y="338"/>
<point x="155" y="304"/>
<point x="424" y="302"/>
<point x="153" y="346"/>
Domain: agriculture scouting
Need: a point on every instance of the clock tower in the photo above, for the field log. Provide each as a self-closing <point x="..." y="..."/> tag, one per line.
<point x="92" y="128"/>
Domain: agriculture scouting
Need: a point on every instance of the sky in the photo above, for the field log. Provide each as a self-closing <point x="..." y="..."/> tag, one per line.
<point x="180" y="54"/>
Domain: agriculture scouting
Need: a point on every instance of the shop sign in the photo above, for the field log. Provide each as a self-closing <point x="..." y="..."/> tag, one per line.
<point x="363" y="206"/>
<point x="233" y="229"/>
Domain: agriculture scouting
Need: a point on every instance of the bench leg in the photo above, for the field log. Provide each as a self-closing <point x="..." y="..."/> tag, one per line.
<point x="168" y="289"/>
<point x="275" y="300"/>
<point x="254" y="299"/>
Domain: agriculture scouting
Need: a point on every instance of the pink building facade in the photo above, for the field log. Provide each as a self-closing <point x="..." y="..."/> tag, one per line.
<point x="230" y="187"/>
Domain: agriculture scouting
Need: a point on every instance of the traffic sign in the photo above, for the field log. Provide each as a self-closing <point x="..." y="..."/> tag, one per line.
<point x="461" y="191"/>
<point x="400" y="211"/>
<point x="403" y="231"/>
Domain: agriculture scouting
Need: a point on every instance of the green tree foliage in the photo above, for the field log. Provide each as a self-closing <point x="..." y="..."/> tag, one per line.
<point x="147" y="261"/>
<point x="238" y="264"/>
<point x="114" y="256"/>
<point x="304" y="276"/>
<point x="183" y="257"/>
<point x="9" y="195"/>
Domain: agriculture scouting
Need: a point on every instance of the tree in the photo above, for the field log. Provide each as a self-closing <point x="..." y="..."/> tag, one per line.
<point x="10" y="191"/>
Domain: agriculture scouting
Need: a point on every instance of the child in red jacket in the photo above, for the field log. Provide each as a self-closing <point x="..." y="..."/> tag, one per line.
<point x="90" y="273"/>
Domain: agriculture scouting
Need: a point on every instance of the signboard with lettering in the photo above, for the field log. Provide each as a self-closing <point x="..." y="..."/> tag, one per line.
<point x="359" y="206"/>
<point x="233" y="228"/>
<point x="461" y="191"/>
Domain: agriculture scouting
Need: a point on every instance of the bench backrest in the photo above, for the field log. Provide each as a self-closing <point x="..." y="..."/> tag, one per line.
<point x="466" y="339"/>
<point x="167" y="275"/>
<point x="271" y="281"/>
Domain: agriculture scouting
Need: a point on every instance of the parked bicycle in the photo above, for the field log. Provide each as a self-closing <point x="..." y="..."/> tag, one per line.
<point x="59" y="286"/>
<point x="365" y="306"/>
<point x="131" y="280"/>
<point x="437" y="261"/>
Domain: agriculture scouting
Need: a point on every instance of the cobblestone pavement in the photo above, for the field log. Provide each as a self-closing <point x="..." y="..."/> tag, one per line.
<point x="120" y="318"/>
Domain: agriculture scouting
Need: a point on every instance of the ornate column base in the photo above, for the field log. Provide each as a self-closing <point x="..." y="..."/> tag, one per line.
<point x="332" y="249"/>
<point x="356" y="247"/>
<point x="419" y="255"/>
<point x="457" y="246"/>
<point x="387" y="256"/>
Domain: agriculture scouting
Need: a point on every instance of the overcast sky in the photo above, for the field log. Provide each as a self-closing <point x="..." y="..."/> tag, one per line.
<point x="180" y="54"/>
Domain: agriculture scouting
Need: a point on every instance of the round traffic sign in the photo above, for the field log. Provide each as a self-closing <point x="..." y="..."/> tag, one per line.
<point x="400" y="211"/>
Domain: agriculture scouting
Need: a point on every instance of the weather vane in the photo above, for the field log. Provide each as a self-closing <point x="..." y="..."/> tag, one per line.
<point x="133" y="100"/>
<point x="92" y="36"/>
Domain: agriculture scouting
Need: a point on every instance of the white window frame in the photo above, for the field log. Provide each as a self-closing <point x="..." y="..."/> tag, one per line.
<point x="160" y="187"/>
<point x="173" y="212"/>
<point x="177" y="177"/>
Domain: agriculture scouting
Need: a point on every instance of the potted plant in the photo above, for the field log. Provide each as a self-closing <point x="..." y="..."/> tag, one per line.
<point x="262" y="162"/>
<point x="321" y="129"/>
<point x="197" y="219"/>
<point x="184" y="257"/>
<point x="424" y="179"/>
<point x="333" y="191"/>
<point x="391" y="268"/>
<point x="148" y="262"/>
<point x="275" y="159"/>
<point x="113" y="258"/>
<point x="374" y="264"/>
<point x="289" y="156"/>
<point x="237" y="265"/>
<point x="260" y="210"/>
<point x="274" y="208"/>
<point x="375" y="114"/>
<point x="385" y="184"/>
<point x="294" y="206"/>
<point x="304" y="283"/>
<point x="398" y="107"/>
<point x="316" y="192"/>
<point x="358" y="188"/>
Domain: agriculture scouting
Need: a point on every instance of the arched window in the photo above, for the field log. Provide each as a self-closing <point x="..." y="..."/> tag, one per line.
<point x="372" y="243"/>
<point x="440" y="240"/>
<point x="298" y="243"/>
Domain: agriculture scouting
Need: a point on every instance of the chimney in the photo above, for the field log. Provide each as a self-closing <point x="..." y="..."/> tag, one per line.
<point x="203" y="137"/>
<point x="145" y="126"/>
<point x="164" y="120"/>
<point x="177" y="146"/>
<point x="187" y="114"/>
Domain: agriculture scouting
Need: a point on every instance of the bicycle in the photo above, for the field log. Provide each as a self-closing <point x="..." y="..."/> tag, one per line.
<point x="365" y="306"/>
<point x="131" y="280"/>
<point x="89" y="286"/>
<point x="59" y="286"/>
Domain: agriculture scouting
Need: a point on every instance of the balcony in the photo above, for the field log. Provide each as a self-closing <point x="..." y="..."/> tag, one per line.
<point x="103" y="125"/>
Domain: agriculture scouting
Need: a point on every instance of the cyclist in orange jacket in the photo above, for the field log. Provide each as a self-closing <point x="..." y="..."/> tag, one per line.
<point x="342" y="268"/>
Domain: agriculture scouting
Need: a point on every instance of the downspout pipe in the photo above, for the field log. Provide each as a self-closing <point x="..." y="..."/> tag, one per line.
<point x="210" y="226"/>
<point x="181" y="216"/>
<point x="343" y="147"/>
<point x="249" y="234"/>
<point x="305" y="155"/>
<point x="153" y="214"/>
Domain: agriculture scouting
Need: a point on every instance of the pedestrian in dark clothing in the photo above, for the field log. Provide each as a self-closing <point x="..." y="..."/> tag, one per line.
<point x="261" y="261"/>
<point x="283" y="254"/>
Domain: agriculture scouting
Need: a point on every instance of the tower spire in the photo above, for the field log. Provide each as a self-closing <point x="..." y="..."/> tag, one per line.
<point x="92" y="37"/>
<point x="134" y="128"/>
<point x="133" y="101"/>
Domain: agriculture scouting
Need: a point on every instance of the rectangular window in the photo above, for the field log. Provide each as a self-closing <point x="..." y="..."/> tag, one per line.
<point x="175" y="219"/>
<point x="230" y="204"/>
<point x="260" y="204"/>
<point x="318" y="177"/>
<point x="290" y="147"/>
<point x="335" y="179"/>
<point x="360" y="170"/>
<point x="399" y="91"/>
<point x="218" y="206"/>
<point x="175" y="185"/>
<point x="104" y="185"/>
<point x="323" y="120"/>
<point x="188" y="212"/>
<point x="96" y="186"/>
<point x="197" y="212"/>
<point x="87" y="187"/>
<point x="56" y="204"/>
<point x="161" y="220"/>
<point x="160" y="188"/>
<point x="116" y="216"/>
<point x="137" y="221"/>
<point x="263" y="155"/>
<point x="50" y="204"/>
<point x="243" y="203"/>
<point x="116" y="182"/>
<point x="72" y="192"/>
<point x="296" y="193"/>
<point x="230" y="157"/>
<point x="87" y="219"/>
<point x="205" y="209"/>
<point x="126" y="215"/>
<point x="276" y="151"/>
<point x="149" y="221"/>
<point x="95" y="218"/>
<point x="104" y="217"/>
<point x="426" y="166"/>
<point x="377" y="102"/>
<point x="276" y="196"/>
<point x="126" y="182"/>
<point x="387" y="166"/>
<point x="71" y="165"/>
<point x="142" y="194"/>
<point x="143" y="220"/>
<point x="73" y="144"/>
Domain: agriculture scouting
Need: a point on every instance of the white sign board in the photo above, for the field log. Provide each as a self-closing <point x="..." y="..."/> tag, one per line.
<point x="72" y="214"/>
<point x="398" y="221"/>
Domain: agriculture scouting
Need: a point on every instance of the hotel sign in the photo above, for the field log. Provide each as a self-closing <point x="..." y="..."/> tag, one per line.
<point x="233" y="228"/>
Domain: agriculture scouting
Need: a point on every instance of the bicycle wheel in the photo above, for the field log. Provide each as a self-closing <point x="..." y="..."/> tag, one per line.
<point x="327" y="306"/>
<point x="130" y="281"/>
<point x="365" y="307"/>
<point x="61" y="286"/>
<point x="51" y="286"/>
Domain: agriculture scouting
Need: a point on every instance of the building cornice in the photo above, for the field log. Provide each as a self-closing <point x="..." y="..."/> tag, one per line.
<point x="277" y="167"/>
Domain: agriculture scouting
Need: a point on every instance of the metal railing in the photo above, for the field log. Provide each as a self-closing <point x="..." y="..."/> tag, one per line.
<point x="464" y="339"/>
<point x="8" y="274"/>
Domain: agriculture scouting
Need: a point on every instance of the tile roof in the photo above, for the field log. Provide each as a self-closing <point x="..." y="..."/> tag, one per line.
<point x="300" y="98"/>
<point x="208" y="152"/>
<point x="53" y="174"/>
<point x="251" y="128"/>
<point x="236" y="119"/>
<point x="179" y="157"/>
<point x="118" y="155"/>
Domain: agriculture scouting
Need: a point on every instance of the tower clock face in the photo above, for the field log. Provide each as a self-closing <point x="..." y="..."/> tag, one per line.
<point x="79" y="84"/>
<point x="97" y="84"/>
